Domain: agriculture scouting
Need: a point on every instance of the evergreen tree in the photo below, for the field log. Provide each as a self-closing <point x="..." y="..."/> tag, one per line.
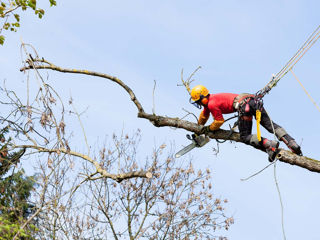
<point x="15" y="191"/>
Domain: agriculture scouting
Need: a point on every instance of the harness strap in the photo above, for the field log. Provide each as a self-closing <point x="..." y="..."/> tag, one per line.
<point x="241" y="99"/>
<point x="246" y="118"/>
<point x="258" y="118"/>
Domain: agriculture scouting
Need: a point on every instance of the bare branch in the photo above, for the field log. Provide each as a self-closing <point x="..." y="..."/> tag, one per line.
<point x="189" y="80"/>
<point x="154" y="88"/>
<point x="86" y="72"/>
<point x="189" y="113"/>
<point x="117" y="177"/>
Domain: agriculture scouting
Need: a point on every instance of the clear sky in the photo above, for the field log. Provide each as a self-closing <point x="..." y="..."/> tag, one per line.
<point x="239" y="44"/>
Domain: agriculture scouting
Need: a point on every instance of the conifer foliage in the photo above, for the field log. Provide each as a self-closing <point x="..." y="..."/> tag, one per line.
<point x="15" y="191"/>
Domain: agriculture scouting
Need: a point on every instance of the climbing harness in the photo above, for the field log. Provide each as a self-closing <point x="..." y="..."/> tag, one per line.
<point x="243" y="99"/>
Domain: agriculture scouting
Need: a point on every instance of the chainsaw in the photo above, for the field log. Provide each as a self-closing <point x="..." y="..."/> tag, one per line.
<point x="197" y="141"/>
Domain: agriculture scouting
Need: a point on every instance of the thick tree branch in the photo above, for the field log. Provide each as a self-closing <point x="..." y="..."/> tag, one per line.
<point x="284" y="155"/>
<point x="160" y="121"/>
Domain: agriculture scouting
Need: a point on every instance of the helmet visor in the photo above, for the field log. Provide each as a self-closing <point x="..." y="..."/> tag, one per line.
<point x="197" y="103"/>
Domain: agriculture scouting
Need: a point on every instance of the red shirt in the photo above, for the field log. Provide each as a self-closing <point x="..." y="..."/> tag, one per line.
<point x="218" y="104"/>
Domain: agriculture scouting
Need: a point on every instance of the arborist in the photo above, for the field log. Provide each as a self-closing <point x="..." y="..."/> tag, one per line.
<point x="246" y="105"/>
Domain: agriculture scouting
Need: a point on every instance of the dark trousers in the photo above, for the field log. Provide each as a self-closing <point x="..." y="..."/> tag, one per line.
<point x="245" y="121"/>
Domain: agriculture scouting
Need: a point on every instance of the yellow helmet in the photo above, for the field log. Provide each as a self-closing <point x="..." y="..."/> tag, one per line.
<point x="198" y="92"/>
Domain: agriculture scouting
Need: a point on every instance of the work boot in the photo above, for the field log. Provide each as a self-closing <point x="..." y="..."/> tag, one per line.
<point x="289" y="141"/>
<point x="291" y="144"/>
<point x="271" y="148"/>
<point x="294" y="147"/>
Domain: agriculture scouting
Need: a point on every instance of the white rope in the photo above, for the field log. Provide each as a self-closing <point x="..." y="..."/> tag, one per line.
<point x="293" y="61"/>
<point x="281" y="204"/>
<point x="276" y="182"/>
<point x="299" y="54"/>
<point x="275" y="179"/>
<point x="305" y="90"/>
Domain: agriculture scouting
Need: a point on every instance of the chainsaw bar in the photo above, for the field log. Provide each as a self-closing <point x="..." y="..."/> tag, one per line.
<point x="197" y="141"/>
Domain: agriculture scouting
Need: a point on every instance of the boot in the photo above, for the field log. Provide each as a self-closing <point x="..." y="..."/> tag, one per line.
<point x="271" y="148"/>
<point x="288" y="140"/>
<point x="292" y="145"/>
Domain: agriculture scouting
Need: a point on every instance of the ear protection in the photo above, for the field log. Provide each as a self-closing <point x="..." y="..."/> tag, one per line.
<point x="204" y="100"/>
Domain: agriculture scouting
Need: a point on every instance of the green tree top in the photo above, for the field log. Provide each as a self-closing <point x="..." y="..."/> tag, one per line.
<point x="9" y="16"/>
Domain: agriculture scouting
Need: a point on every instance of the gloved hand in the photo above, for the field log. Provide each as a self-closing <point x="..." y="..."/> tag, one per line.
<point x="205" y="130"/>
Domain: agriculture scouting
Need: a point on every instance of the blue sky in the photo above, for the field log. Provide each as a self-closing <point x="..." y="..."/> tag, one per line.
<point x="239" y="44"/>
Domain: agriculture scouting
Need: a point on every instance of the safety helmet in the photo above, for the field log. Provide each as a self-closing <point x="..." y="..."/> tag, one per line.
<point x="197" y="91"/>
<point x="197" y="94"/>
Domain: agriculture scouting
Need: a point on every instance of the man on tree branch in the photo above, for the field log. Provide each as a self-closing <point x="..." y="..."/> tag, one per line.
<point x="247" y="106"/>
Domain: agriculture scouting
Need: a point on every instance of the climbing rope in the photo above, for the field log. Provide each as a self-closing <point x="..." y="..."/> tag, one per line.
<point x="280" y="199"/>
<point x="276" y="182"/>
<point x="291" y="63"/>
<point x="305" y="90"/>
<point x="300" y="53"/>
<point x="288" y="67"/>
<point x="274" y="163"/>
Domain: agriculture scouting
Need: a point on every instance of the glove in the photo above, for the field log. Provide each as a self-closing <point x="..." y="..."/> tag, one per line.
<point x="205" y="130"/>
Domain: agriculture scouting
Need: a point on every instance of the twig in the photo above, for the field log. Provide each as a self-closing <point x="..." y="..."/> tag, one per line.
<point x="154" y="88"/>
<point x="189" y="80"/>
<point x="83" y="181"/>
<point x="192" y="74"/>
<point x="82" y="127"/>
<point x="189" y="113"/>
<point x="9" y="11"/>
